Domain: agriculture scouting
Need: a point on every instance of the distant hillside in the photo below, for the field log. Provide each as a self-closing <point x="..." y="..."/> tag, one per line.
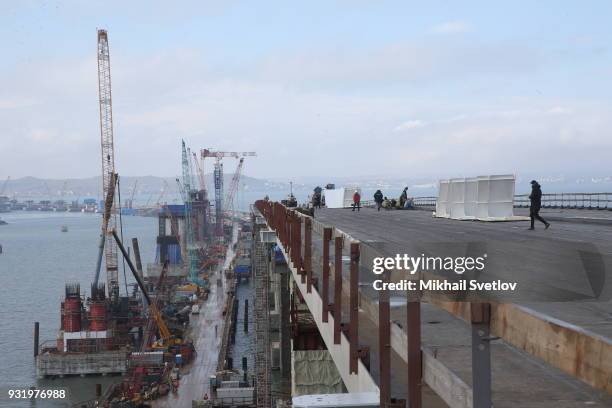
<point x="33" y="187"/>
<point x="150" y="188"/>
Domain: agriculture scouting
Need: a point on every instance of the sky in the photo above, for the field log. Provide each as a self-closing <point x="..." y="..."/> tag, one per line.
<point x="344" y="88"/>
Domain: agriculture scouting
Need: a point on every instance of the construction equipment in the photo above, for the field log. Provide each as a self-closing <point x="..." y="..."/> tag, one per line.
<point x="108" y="204"/>
<point x="185" y="190"/>
<point x="158" y="289"/>
<point x="218" y="177"/>
<point x="200" y="171"/>
<point x="108" y="157"/>
<point x="229" y="199"/>
<point x="166" y="339"/>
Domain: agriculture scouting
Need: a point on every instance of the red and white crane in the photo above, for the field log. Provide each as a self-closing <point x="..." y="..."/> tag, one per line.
<point x="108" y="158"/>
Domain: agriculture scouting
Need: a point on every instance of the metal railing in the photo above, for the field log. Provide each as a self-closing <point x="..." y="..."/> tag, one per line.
<point x="588" y="201"/>
<point x="591" y="201"/>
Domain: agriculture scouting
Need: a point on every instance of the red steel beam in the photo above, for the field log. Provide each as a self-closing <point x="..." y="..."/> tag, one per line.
<point x="384" y="344"/>
<point x="413" y="321"/>
<point x="337" y="289"/>
<point x="354" y="308"/>
<point x="308" y="253"/>
<point x="327" y="235"/>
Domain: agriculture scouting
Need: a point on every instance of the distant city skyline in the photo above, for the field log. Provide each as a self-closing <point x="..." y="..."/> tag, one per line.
<point x="323" y="89"/>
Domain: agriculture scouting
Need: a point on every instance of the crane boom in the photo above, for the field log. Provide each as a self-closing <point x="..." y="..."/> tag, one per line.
<point x="229" y="199"/>
<point x="108" y="203"/>
<point x="200" y="172"/>
<point x="108" y="155"/>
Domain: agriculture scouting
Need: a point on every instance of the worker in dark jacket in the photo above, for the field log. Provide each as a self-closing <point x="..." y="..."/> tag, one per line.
<point x="403" y="198"/>
<point x="536" y="204"/>
<point x="378" y="199"/>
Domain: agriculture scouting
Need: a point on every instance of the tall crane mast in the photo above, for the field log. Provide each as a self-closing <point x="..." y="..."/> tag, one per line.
<point x="108" y="157"/>
<point x="229" y="199"/>
<point x="218" y="177"/>
<point x="185" y="190"/>
<point x="200" y="171"/>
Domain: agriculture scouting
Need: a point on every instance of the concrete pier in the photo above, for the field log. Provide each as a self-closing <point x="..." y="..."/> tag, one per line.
<point x="68" y="364"/>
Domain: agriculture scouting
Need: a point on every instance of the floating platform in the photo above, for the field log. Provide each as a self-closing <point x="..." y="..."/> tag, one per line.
<point x="70" y="364"/>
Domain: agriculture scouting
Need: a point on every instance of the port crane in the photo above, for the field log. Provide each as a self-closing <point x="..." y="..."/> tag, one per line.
<point x="218" y="178"/>
<point x="108" y="157"/>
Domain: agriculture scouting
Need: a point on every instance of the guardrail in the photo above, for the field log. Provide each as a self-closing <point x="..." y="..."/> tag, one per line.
<point x="587" y="201"/>
<point x="590" y="201"/>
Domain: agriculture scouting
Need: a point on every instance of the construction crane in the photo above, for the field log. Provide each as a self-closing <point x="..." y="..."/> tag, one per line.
<point x="108" y="157"/>
<point x="3" y="189"/>
<point x="218" y="178"/>
<point x="185" y="190"/>
<point x="200" y="171"/>
<point x="192" y="181"/>
<point x="108" y="204"/>
<point x="229" y="199"/>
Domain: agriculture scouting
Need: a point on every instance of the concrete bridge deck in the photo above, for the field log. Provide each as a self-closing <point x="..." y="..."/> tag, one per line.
<point x="540" y="361"/>
<point x="560" y="333"/>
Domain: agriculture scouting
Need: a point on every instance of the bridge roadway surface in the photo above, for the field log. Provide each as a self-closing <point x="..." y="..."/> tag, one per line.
<point x="195" y="377"/>
<point x="519" y="379"/>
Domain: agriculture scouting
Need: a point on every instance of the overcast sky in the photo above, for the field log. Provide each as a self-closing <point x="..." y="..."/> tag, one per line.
<point x="345" y="88"/>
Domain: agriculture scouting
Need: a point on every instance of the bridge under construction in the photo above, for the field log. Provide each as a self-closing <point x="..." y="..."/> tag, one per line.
<point x="391" y="350"/>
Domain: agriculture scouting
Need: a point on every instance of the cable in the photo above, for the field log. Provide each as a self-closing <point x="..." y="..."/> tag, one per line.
<point x="121" y="232"/>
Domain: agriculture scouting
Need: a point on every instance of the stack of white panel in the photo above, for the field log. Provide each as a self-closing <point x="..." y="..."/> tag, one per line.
<point x="340" y="197"/>
<point x="484" y="198"/>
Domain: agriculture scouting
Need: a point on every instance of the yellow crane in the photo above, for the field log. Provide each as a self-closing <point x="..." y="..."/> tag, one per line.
<point x="166" y="339"/>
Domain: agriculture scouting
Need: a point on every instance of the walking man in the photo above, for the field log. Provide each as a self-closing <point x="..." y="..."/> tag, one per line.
<point x="356" y="200"/>
<point x="378" y="199"/>
<point x="536" y="203"/>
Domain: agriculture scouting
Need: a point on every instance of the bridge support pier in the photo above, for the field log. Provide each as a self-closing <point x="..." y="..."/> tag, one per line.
<point x="413" y="320"/>
<point x="480" y="314"/>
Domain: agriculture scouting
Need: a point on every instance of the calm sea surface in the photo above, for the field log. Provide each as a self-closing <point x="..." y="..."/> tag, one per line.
<point x="36" y="261"/>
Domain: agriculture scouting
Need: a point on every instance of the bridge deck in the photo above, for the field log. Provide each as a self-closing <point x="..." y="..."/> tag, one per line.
<point x="448" y="337"/>
<point x="547" y="264"/>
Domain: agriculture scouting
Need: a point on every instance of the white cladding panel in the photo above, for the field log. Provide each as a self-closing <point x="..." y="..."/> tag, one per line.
<point x="486" y="198"/>
<point x="340" y="197"/>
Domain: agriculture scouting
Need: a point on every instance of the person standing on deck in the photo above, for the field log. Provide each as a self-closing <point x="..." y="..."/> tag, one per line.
<point x="356" y="200"/>
<point x="378" y="199"/>
<point x="536" y="203"/>
<point x="403" y="198"/>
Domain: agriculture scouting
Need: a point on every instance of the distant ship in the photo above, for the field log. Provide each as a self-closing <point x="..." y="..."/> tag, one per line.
<point x="2" y="222"/>
<point x="64" y="228"/>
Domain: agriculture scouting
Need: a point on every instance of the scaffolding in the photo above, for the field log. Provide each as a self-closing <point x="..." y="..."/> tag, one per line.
<point x="262" y="322"/>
